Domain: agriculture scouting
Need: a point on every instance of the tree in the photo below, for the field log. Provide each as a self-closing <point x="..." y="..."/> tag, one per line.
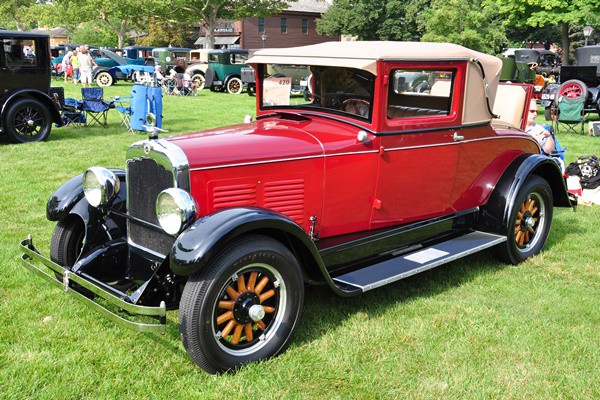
<point x="465" y="22"/>
<point x="160" y="32"/>
<point x="20" y="14"/>
<point x="373" y="19"/>
<point x="90" y="32"/>
<point x="119" y="16"/>
<point x="541" y="13"/>
<point x="212" y="12"/>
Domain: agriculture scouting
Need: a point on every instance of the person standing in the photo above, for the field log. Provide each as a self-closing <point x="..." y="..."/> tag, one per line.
<point x="66" y="64"/>
<point x="86" y="63"/>
<point x="75" y="63"/>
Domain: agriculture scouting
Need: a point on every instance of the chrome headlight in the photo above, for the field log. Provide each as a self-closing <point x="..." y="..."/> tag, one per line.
<point x="175" y="209"/>
<point x="100" y="186"/>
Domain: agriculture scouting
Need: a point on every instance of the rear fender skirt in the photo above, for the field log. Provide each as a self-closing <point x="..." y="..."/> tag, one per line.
<point x="36" y="94"/>
<point x="494" y="215"/>
<point x="196" y="246"/>
<point x="68" y="200"/>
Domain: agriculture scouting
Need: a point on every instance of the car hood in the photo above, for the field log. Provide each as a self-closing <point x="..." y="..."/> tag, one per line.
<point x="268" y="140"/>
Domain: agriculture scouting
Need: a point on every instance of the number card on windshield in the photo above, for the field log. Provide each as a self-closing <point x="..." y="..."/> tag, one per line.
<point x="276" y="91"/>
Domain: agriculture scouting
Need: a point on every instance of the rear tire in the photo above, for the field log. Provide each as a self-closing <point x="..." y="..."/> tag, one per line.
<point x="243" y="307"/>
<point x="104" y="79"/>
<point x="27" y="120"/>
<point x="199" y="81"/>
<point x="529" y="223"/>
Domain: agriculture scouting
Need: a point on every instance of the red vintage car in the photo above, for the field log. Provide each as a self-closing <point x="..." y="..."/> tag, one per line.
<point x="389" y="165"/>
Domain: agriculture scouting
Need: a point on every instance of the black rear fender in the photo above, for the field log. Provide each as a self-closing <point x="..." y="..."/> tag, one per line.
<point x="494" y="215"/>
<point x="34" y="94"/>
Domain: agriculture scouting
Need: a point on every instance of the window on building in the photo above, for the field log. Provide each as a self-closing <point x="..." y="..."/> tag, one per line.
<point x="283" y="25"/>
<point x="261" y="24"/>
<point x="305" y="27"/>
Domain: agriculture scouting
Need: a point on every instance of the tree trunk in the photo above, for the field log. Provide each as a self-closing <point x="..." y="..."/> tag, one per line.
<point x="566" y="43"/>
<point x="211" y="24"/>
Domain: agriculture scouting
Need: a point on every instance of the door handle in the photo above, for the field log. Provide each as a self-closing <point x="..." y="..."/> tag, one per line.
<point x="456" y="137"/>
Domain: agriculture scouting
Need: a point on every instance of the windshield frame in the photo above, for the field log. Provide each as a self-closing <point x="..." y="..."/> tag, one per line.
<point x="262" y="68"/>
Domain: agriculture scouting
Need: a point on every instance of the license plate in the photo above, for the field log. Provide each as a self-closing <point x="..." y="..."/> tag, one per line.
<point x="547" y="96"/>
<point x="303" y="83"/>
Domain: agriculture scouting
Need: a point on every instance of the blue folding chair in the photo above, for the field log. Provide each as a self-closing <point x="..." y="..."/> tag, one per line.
<point x="123" y="107"/>
<point x="94" y="106"/>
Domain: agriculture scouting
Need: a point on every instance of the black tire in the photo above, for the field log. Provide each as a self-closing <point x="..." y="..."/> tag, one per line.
<point x="529" y="223"/>
<point x="215" y="305"/>
<point x="251" y="89"/>
<point x="27" y="120"/>
<point x="104" y="79"/>
<point x="199" y="81"/>
<point x="66" y="245"/>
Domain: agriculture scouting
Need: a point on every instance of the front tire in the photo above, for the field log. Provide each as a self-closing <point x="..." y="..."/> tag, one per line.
<point x="529" y="223"/>
<point x="234" y="86"/>
<point x="27" y="120"/>
<point x="199" y="81"/>
<point x="104" y="79"/>
<point x="244" y="307"/>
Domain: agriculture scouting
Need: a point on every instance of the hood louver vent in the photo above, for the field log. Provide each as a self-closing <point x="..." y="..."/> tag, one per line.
<point x="234" y="196"/>
<point x="287" y="198"/>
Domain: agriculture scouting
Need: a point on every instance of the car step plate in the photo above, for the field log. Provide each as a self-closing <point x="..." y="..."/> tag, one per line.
<point x="418" y="261"/>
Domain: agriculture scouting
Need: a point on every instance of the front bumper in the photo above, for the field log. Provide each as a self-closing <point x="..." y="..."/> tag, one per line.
<point x="31" y="254"/>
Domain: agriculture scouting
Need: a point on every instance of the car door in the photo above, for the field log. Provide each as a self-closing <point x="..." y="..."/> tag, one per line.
<point x="419" y="147"/>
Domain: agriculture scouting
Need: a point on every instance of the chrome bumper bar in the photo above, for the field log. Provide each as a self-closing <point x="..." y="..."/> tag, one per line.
<point x="31" y="254"/>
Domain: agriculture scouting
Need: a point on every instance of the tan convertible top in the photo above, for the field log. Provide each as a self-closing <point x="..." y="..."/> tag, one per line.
<point x="364" y="55"/>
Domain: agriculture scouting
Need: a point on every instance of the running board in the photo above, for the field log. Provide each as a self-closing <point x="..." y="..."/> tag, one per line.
<point x="418" y="261"/>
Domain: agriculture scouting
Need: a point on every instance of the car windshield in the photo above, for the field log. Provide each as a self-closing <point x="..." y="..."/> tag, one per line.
<point x="345" y="91"/>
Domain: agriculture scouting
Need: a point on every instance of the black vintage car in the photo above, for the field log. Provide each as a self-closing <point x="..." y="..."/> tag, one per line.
<point x="580" y="80"/>
<point x="27" y="108"/>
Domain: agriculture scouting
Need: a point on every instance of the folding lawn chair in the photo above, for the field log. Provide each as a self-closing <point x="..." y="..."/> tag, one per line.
<point x="570" y="114"/>
<point x="123" y="107"/>
<point x="94" y="106"/>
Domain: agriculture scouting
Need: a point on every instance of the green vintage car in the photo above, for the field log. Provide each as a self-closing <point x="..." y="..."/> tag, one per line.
<point x="170" y="57"/>
<point x="224" y="70"/>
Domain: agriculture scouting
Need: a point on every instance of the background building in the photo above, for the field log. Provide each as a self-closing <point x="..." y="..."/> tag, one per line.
<point x="295" y="26"/>
<point x="57" y="35"/>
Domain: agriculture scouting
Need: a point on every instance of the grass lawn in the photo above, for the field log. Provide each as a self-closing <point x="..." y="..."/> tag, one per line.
<point x="475" y="328"/>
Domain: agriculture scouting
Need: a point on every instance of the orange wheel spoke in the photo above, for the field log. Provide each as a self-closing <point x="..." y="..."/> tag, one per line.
<point x="535" y="219"/>
<point x="224" y="317"/>
<point x="534" y="211"/>
<point x="531" y="230"/>
<point x="521" y="240"/>
<point x="261" y="285"/>
<point x="261" y="325"/>
<point x="523" y="208"/>
<point x="248" y="332"/>
<point x="227" y="305"/>
<point x="266" y="295"/>
<point x="237" y="334"/>
<point x="519" y="215"/>
<point x="242" y="284"/>
<point x="527" y="237"/>
<point x="269" y="310"/>
<point x="518" y="236"/>
<point x="227" y="330"/>
<point x="252" y="281"/>
<point x="233" y="295"/>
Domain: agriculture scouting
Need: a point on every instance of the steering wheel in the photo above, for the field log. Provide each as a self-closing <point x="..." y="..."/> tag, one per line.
<point x="356" y="106"/>
<point x="532" y="65"/>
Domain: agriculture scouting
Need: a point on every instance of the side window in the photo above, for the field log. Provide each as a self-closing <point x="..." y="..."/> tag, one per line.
<point x="239" y="58"/>
<point x="18" y="54"/>
<point x="420" y="93"/>
<point x="213" y="58"/>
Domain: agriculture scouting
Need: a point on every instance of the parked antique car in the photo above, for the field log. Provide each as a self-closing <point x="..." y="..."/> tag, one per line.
<point x="170" y="57"/>
<point x="224" y="70"/>
<point x="138" y="53"/>
<point x="535" y="66"/>
<point x="580" y="80"/>
<point x="27" y="108"/>
<point x="361" y="185"/>
<point x="197" y="65"/>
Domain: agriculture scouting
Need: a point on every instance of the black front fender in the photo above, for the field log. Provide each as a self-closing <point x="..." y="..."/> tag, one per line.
<point x="70" y="193"/>
<point x="208" y="236"/>
<point x="496" y="212"/>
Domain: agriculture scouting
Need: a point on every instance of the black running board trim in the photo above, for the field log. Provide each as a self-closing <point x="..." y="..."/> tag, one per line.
<point x="392" y="270"/>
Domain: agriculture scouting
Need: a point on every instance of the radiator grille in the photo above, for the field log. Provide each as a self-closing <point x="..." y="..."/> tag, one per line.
<point x="145" y="180"/>
<point x="287" y="198"/>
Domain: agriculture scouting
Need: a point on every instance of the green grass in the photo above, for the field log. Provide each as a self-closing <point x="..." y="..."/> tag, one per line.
<point x="472" y="329"/>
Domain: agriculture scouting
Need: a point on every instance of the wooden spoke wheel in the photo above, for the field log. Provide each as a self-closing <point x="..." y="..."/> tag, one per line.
<point x="529" y="222"/>
<point x="572" y="88"/>
<point x="247" y="308"/>
<point x="243" y="306"/>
